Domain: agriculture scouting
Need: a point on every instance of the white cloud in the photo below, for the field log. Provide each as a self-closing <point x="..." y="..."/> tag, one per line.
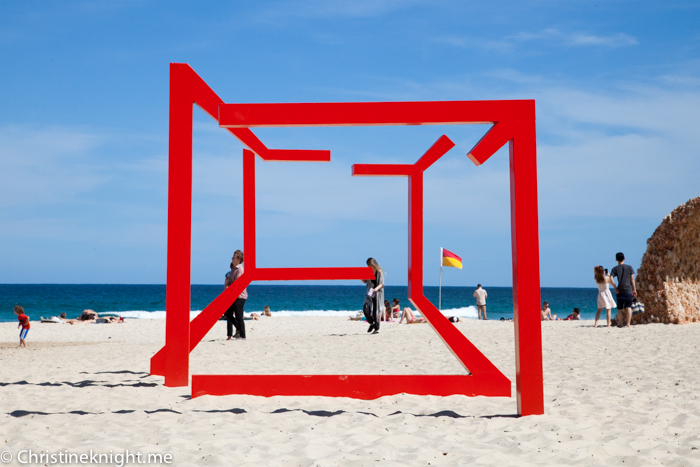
<point x="334" y="9"/>
<point x="550" y="35"/>
<point x="616" y="40"/>
<point x="476" y="43"/>
<point x="575" y="38"/>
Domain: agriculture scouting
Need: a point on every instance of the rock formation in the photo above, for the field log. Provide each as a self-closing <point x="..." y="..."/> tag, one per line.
<point x="668" y="282"/>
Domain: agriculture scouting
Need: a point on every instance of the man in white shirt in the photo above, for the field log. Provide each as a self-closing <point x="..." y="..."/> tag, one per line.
<point x="480" y="295"/>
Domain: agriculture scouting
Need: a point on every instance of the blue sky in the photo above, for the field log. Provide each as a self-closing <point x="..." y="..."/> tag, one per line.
<point x="84" y="128"/>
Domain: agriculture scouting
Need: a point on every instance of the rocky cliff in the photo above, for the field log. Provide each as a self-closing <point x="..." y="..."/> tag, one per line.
<point x="668" y="282"/>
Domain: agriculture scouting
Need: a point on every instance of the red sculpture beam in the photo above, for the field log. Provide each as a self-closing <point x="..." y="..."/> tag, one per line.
<point x="355" y="386"/>
<point x="373" y="113"/>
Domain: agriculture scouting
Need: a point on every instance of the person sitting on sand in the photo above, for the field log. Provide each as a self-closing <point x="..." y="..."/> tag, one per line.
<point x="387" y="311"/>
<point x="87" y="315"/>
<point x="395" y="308"/>
<point x="109" y="320"/>
<point x="266" y="311"/>
<point x="575" y="316"/>
<point x="91" y="317"/>
<point x="410" y="317"/>
<point x="547" y="313"/>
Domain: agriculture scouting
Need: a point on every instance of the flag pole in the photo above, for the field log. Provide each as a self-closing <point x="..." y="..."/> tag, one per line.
<point x="440" y="288"/>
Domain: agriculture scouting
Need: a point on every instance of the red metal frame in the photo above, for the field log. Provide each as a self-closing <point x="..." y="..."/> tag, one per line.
<point x="514" y="123"/>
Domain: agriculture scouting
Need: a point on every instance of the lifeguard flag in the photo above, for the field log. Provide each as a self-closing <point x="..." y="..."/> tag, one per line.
<point x="450" y="259"/>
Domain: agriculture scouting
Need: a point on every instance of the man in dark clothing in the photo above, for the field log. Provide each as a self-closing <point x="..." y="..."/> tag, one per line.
<point x="626" y="289"/>
<point x="234" y="315"/>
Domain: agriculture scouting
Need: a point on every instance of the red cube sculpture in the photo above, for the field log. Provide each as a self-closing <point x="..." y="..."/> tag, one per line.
<point x="513" y="123"/>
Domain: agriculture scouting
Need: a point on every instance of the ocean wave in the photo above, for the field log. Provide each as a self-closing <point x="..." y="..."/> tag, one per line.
<point x="464" y="312"/>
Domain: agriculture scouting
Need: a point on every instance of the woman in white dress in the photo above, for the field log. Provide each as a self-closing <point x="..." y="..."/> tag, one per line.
<point x="605" y="299"/>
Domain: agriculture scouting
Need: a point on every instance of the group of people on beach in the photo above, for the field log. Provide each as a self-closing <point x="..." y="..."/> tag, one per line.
<point x="625" y="289"/>
<point x="547" y="315"/>
<point x="375" y="309"/>
<point x="87" y="316"/>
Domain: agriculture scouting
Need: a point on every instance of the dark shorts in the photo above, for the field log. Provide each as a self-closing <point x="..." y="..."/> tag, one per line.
<point x="624" y="301"/>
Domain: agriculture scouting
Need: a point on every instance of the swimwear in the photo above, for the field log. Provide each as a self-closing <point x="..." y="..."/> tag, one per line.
<point x="23" y="333"/>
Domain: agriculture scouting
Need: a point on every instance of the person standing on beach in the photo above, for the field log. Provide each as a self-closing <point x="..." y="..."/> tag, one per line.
<point x="480" y="295"/>
<point x="626" y="288"/>
<point x="377" y="293"/>
<point x="605" y="298"/>
<point x="234" y="315"/>
<point x="24" y="324"/>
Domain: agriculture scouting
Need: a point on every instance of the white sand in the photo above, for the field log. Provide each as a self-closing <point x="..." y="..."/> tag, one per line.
<point x="613" y="396"/>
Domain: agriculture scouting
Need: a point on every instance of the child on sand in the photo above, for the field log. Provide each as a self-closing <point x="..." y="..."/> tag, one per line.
<point x="23" y="323"/>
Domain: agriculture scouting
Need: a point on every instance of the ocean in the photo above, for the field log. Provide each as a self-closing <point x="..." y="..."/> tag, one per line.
<point x="148" y="301"/>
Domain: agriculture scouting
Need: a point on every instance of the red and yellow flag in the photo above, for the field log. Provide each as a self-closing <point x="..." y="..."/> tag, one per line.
<point x="450" y="259"/>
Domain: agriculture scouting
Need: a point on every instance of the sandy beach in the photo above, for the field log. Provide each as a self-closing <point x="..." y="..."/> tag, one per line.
<point x="612" y="396"/>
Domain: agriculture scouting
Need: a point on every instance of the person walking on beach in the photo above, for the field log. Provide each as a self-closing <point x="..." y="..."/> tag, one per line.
<point x="234" y="315"/>
<point x="626" y="288"/>
<point x="605" y="298"/>
<point x="375" y="289"/>
<point x="480" y="295"/>
<point x="24" y="324"/>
